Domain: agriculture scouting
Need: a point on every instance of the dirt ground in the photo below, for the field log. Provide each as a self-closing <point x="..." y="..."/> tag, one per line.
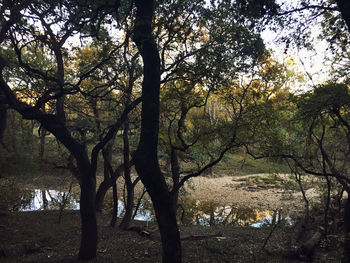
<point x="251" y="190"/>
<point x="38" y="237"/>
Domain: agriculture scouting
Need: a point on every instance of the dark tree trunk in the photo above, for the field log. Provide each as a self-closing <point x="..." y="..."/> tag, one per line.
<point x="108" y="173"/>
<point x="3" y="121"/>
<point x="101" y="193"/>
<point x="45" y="202"/>
<point x="129" y="185"/>
<point x="175" y="172"/>
<point x="347" y="230"/>
<point x="106" y="184"/>
<point x="107" y="180"/>
<point x="326" y="209"/>
<point x="115" y="202"/>
<point x="129" y="207"/>
<point x="42" y="147"/>
<point x="138" y="204"/>
<point x="146" y="159"/>
<point x="88" y="245"/>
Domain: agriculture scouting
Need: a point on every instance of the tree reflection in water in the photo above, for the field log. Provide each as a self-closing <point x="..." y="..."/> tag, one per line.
<point x="209" y="213"/>
<point x="44" y="199"/>
<point x="196" y="212"/>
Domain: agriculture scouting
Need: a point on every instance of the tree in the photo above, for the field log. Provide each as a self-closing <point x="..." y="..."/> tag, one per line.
<point x="200" y="46"/>
<point x="325" y="111"/>
<point x="188" y="60"/>
<point x="20" y="34"/>
<point x="146" y="159"/>
<point x="312" y="134"/>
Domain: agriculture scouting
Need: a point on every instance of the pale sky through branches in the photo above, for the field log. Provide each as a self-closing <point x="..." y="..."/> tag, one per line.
<point x="315" y="61"/>
<point x="312" y="63"/>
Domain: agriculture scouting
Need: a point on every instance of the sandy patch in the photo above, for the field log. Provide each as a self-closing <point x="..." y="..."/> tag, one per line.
<point x="230" y="190"/>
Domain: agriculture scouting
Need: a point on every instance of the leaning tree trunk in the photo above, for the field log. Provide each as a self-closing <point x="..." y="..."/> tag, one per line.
<point x="146" y="159"/>
<point x="162" y="200"/>
<point x="101" y="193"/>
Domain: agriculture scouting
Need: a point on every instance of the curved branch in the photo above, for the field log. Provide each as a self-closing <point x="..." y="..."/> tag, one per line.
<point x="317" y="7"/>
<point x="112" y="130"/>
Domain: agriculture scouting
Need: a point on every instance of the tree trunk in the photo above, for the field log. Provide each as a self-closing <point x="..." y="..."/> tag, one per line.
<point x="129" y="185"/>
<point x="107" y="178"/>
<point x="146" y="159"/>
<point x="56" y="125"/>
<point x="128" y="208"/>
<point x="347" y="230"/>
<point x="3" y="121"/>
<point x="175" y="172"/>
<point x="170" y="236"/>
<point x="108" y="173"/>
<point x="101" y="193"/>
<point x="115" y="202"/>
<point x="88" y="245"/>
<point x="42" y="147"/>
<point x="43" y="196"/>
<point x="164" y="208"/>
<point x="106" y="184"/>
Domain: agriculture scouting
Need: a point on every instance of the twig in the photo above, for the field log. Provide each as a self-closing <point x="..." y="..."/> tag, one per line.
<point x="270" y="234"/>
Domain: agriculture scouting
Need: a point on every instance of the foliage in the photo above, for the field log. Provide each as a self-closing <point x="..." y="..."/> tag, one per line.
<point x="78" y="68"/>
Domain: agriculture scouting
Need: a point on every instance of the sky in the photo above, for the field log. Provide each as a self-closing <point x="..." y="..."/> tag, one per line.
<point x="312" y="63"/>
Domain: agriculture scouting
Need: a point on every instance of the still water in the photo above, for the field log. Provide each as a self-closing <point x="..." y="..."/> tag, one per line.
<point x="208" y="213"/>
<point x="42" y="199"/>
<point x="195" y="212"/>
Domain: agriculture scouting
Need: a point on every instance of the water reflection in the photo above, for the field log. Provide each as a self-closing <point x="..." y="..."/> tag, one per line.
<point x="208" y="213"/>
<point x="195" y="212"/>
<point x="144" y="213"/>
<point x="42" y="199"/>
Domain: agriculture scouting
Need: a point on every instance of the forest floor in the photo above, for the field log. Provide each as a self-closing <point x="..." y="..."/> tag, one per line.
<point x="38" y="237"/>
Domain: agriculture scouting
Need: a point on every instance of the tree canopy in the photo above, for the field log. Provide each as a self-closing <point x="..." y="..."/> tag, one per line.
<point x="176" y="86"/>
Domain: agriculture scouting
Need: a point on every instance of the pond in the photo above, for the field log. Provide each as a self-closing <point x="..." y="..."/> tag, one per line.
<point x="209" y="213"/>
<point x="195" y="212"/>
<point x="43" y="199"/>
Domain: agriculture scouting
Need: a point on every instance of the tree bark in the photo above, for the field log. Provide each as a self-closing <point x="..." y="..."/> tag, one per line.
<point x="175" y="172"/>
<point x="146" y="159"/>
<point x="129" y="185"/>
<point x="101" y="193"/>
<point x="347" y="230"/>
<point x="108" y="173"/>
<point x="3" y="121"/>
<point x="107" y="178"/>
<point x="88" y="245"/>
<point x="115" y="202"/>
